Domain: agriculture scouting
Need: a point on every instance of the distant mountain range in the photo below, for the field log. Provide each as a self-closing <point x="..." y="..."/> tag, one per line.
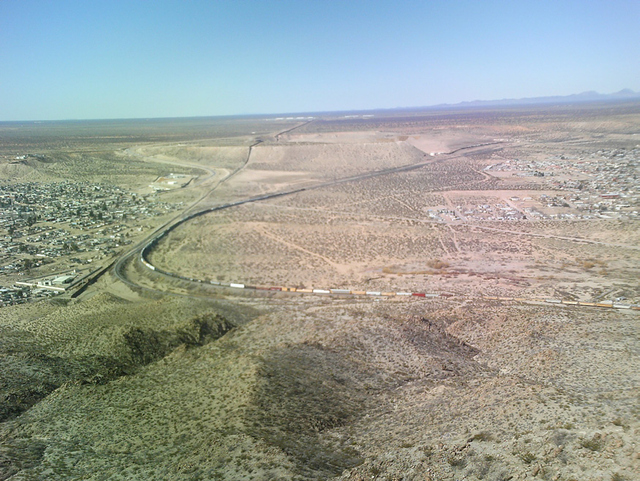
<point x="590" y="96"/>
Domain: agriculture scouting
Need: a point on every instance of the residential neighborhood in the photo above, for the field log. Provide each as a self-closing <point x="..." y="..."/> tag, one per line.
<point x="48" y="228"/>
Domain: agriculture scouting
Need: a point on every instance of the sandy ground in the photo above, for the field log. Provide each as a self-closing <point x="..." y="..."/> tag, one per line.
<point x="376" y="235"/>
<point x="196" y="383"/>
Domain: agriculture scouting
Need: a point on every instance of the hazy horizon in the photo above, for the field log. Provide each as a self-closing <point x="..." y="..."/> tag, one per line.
<point x="471" y="104"/>
<point x="168" y="59"/>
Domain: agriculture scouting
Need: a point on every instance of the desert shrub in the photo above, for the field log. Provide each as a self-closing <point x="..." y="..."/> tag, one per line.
<point x="482" y="436"/>
<point x="456" y="461"/>
<point x="561" y="437"/>
<point x="437" y="264"/>
<point x="427" y="450"/>
<point x="483" y="467"/>
<point x="594" y="444"/>
<point x="503" y="476"/>
<point x="527" y="457"/>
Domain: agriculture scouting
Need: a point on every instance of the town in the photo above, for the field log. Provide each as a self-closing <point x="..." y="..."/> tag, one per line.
<point x="593" y="185"/>
<point x="53" y="235"/>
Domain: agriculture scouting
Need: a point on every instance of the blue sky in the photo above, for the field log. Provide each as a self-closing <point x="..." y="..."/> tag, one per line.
<point x="68" y="59"/>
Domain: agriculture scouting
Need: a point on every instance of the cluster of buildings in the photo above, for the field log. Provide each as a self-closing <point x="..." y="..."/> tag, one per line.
<point x="611" y="187"/>
<point x="498" y="211"/>
<point x="478" y="212"/>
<point x="443" y="215"/>
<point x="170" y="182"/>
<point x="64" y="224"/>
<point x="603" y="184"/>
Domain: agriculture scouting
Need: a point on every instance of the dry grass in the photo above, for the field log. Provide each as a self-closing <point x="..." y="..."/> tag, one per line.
<point x="350" y="388"/>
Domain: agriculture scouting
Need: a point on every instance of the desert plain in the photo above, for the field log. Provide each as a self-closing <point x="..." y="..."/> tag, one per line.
<point x="522" y="223"/>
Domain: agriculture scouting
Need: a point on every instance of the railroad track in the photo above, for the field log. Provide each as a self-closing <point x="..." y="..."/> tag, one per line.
<point x="143" y="249"/>
<point x="150" y="241"/>
<point x="341" y="292"/>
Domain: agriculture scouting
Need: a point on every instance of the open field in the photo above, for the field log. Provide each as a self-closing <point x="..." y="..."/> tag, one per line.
<point x="107" y="135"/>
<point x="145" y="376"/>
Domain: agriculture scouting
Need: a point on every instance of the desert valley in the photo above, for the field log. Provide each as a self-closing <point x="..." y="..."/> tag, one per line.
<point x="438" y="294"/>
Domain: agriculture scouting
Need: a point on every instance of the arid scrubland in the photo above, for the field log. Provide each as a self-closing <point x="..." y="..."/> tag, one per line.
<point x="163" y="378"/>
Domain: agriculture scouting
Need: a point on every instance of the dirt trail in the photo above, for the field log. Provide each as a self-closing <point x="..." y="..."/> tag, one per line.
<point x="552" y="236"/>
<point x="454" y="238"/>
<point x="264" y="232"/>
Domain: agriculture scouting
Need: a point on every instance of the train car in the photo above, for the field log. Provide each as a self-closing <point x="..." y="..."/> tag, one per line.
<point x="306" y="291"/>
<point x="553" y="301"/>
<point x="570" y="303"/>
<point x="434" y="295"/>
<point x="622" y="306"/>
<point x="236" y="286"/>
<point x="146" y="264"/>
<point x="321" y="291"/>
<point x="215" y="283"/>
<point x="262" y="288"/>
<point x="275" y="288"/>
<point x="358" y="293"/>
<point x="590" y="304"/>
<point x="340" y="291"/>
<point x="403" y="293"/>
<point x="602" y="304"/>
<point x="250" y="287"/>
<point x="635" y="308"/>
<point x="289" y="289"/>
<point x="445" y="294"/>
<point x="373" y="293"/>
<point x="419" y="294"/>
<point x="389" y="294"/>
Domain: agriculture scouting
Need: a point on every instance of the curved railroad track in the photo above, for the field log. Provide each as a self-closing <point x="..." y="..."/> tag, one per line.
<point x="142" y="250"/>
